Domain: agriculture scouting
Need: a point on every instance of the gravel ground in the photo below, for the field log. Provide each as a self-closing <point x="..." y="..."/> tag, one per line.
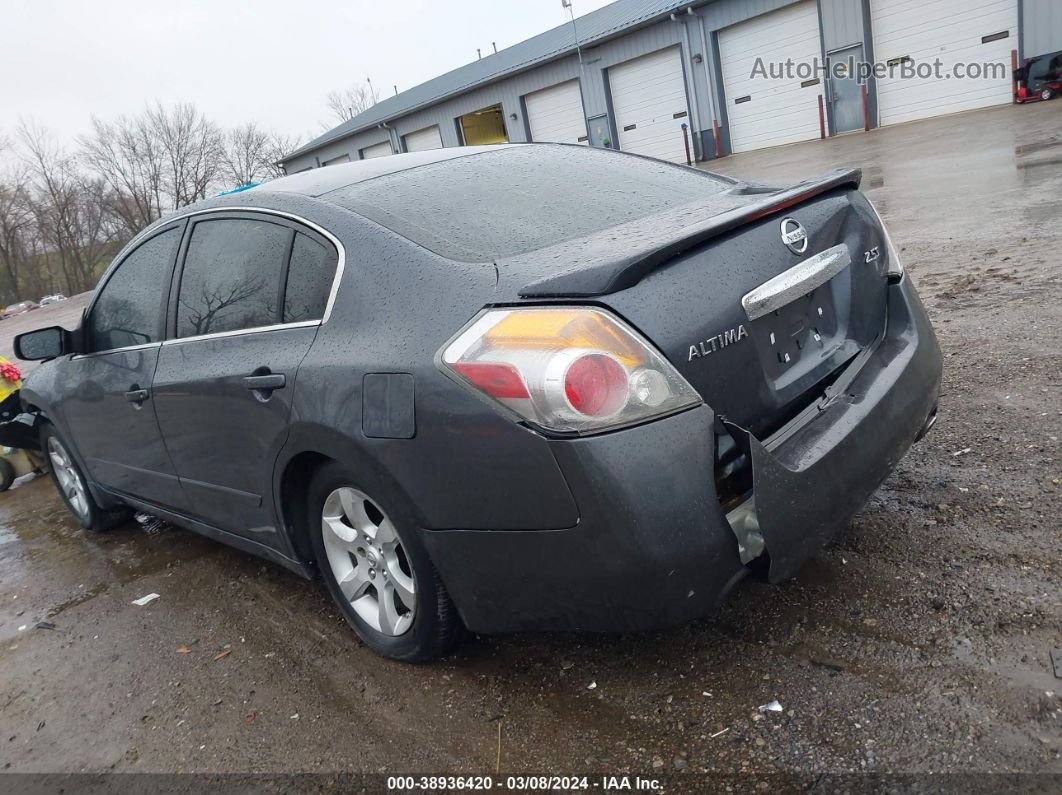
<point x="918" y="643"/>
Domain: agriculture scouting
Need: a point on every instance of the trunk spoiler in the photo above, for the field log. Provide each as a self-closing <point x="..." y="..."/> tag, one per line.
<point x="620" y="257"/>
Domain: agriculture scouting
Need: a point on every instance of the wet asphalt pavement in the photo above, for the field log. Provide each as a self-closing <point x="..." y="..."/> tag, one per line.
<point x="919" y="642"/>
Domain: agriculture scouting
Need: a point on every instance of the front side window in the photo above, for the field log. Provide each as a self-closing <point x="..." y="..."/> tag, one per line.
<point x="231" y="276"/>
<point x="310" y="276"/>
<point x="127" y="309"/>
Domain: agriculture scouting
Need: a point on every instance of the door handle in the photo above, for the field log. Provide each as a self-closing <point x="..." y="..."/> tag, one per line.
<point x="265" y="382"/>
<point x="137" y="396"/>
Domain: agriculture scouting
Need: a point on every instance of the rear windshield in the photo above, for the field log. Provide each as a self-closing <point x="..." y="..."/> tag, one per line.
<point x="523" y="198"/>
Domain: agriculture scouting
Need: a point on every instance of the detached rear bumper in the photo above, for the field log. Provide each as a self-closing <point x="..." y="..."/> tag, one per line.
<point x="809" y="486"/>
<point x="652" y="546"/>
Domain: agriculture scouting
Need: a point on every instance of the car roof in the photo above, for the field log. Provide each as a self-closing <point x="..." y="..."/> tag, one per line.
<point x="318" y="194"/>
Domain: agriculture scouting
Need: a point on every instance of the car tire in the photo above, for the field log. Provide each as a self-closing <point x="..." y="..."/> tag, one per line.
<point x="70" y="482"/>
<point x="379" y="574"/>
<point x="1047" y="94"/>
<point x="7" y="474"/>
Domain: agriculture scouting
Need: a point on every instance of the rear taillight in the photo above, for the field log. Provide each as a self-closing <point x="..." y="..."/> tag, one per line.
<point x="576" y="370"/>
<point x="894" y="267"/>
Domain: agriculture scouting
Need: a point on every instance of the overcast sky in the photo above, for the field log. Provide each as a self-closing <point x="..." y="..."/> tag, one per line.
<point x="272" y="61"/>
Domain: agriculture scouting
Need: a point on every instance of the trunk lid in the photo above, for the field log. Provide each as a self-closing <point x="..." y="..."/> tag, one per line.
<point x="756" y="327"/>
<point x="755" y="320"/>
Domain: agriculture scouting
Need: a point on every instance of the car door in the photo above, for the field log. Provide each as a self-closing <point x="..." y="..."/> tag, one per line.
<point x="106" y="402"/>
<point x="241" y="321"/>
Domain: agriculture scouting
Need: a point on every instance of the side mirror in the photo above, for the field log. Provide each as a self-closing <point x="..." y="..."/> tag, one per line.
<point x="42" y="344"/>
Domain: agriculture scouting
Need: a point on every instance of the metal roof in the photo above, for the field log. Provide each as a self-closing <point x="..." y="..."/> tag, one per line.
<point x="319" y="181"/>
<point x="594" y="27"/>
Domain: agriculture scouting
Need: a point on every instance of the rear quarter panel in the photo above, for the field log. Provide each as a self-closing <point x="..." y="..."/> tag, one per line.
<point x="467" y="466"/>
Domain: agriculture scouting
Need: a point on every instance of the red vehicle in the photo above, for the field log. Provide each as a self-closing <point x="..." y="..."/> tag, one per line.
<point x="18" y="309"/>
<point x="1040" y="79"/>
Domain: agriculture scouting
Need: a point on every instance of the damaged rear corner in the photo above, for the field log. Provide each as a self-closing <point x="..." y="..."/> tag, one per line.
<point x="761" y="498"/>
<point x="787" y="496"/>
<point x="783" y="518"/>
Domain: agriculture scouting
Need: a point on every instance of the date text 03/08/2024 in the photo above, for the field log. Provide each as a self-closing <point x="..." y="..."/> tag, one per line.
<point x="524" y="783"/>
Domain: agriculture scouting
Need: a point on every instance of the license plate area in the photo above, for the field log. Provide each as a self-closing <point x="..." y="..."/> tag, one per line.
<point x="799" y="336"/>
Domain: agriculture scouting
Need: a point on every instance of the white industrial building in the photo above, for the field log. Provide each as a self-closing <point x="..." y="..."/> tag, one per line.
<point x="641" y="70"/>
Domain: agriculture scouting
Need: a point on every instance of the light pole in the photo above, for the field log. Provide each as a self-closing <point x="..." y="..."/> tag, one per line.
<point x="575" y="31"/>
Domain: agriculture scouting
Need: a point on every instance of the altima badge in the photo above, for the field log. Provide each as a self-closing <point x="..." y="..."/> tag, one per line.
<point x="719" y="341"/>
<point x="794" y="236"/>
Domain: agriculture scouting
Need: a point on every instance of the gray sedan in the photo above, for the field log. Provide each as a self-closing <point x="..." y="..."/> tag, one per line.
<point x="497" y="388"/>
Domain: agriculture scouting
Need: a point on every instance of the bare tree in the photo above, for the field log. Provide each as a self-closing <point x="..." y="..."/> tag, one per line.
<point x="280" y="146"/>
<point x="128" y="154"/>
<point x="17" y="236"/>
<point x="347" y="103"/>
<point x="159" y="160"/>
<point x="68" y="208"/>
<point x="253" y="155"/>
<point x="193" y="151"/>
<point x="245" y="154"/>
<point x="62" y="214"/>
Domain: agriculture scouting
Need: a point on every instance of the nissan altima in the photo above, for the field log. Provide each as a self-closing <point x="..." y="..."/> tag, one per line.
<point x="497" y="388"/>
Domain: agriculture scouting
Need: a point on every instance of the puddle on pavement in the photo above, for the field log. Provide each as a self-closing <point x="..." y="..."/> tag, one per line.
<point x="1033" y="164"/>
<point x="873" y="177"/>
<point x="1037" y="146"/>
<point x="1014" y="673"/>
<point x="1044" y="213"/>
<point x="48" y="564"/>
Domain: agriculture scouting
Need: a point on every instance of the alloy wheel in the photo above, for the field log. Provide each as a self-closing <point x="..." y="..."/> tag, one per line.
<point x="68" y="478"/>
<point x="368" y="561"/>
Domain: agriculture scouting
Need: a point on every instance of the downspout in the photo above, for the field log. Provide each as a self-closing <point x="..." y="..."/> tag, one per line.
<point x="392" y="137"/>
<point x="694" y="128"/>
<point x="712" y="111"/>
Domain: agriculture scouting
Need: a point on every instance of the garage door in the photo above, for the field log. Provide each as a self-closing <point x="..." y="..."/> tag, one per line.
<point x="556" y="114"/>
<point x="376" y="150"/>
<point x="649" y="100"/>
<point x="977" y="33"/>
<point x="422" y="140"/>
<point x="769" y="111"/>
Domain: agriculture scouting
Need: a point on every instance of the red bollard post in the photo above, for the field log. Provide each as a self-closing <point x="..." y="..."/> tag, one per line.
<point x="686" y="141"/>
<point x="822" y="118"/>
<point x="1013" y="69"/>
<point x="866" y="107"/>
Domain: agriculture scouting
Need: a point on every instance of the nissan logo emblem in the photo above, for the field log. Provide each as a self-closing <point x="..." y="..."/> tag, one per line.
<point x="794" y="236"/>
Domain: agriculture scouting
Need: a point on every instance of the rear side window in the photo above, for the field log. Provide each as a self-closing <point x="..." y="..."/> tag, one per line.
<point x="231" y="276"/>
<point x="128" y="308"/>
<point x="310" y="276"/>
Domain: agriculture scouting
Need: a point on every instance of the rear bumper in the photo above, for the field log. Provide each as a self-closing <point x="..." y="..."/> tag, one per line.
<point x="652" y="546"/>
